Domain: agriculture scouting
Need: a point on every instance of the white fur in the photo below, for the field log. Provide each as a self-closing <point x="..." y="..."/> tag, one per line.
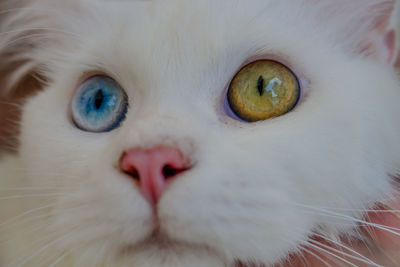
<point x="244" y="198"/>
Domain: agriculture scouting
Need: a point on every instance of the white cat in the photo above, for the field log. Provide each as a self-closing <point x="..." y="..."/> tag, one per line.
<point x="177" y="178"/>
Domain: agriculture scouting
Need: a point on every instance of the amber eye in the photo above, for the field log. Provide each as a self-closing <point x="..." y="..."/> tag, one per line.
<point x="262" y="90"/>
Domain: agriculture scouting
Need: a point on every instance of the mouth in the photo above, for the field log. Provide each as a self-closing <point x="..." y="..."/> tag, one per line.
<point x="159" y="241"/>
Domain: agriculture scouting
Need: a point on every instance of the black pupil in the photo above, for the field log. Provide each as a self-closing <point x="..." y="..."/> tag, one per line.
<point x="260" y="85"/>
<point x="99" y="99"/>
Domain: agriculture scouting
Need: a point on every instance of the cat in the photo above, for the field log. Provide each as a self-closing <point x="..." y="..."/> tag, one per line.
<point x="131" y="153"/>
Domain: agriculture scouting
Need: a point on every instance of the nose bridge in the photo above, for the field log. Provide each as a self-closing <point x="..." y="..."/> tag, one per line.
<point x="150" y="127"/>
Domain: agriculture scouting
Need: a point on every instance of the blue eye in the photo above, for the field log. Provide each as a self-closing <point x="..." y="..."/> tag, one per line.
<point x="99" y="105"/>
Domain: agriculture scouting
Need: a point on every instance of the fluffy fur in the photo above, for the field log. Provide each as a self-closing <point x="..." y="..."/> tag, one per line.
<point x="257" y="191"/>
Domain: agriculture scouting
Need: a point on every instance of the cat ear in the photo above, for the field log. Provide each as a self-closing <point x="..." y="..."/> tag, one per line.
<point x="19" y="74"/>
<point x="378" y="32"/>
<point x="21" y="33"/>
<point x="365" y="27"/>
<point x="28" y="30"/>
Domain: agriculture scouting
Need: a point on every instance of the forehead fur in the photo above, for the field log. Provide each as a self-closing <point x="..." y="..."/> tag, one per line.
<point x="43" y="24"/>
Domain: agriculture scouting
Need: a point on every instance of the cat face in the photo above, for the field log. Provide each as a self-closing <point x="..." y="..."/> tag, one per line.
<point x="251" y="191"/>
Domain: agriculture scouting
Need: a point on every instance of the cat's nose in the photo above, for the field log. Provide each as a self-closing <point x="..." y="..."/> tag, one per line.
<point x="152" y="168"/>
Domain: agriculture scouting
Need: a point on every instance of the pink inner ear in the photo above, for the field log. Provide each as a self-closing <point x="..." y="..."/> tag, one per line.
<point x="379" y="42"/>
<point x="390" y="44"/>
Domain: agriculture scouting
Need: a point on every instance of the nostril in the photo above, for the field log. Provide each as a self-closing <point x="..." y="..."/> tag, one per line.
<point x="169" y="171"/>
<point x="133" y="172"/>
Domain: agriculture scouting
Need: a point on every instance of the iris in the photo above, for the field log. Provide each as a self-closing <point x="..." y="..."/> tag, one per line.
<point x="263" y="89"/>
<point x="99" y="105"/>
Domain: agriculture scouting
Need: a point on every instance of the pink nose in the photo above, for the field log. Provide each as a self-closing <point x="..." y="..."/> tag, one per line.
<point x="151" y="168"/>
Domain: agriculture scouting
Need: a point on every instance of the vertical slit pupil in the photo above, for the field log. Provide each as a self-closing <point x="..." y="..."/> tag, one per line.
<point x="99" y="99"/>
<point x="260" y="85"/>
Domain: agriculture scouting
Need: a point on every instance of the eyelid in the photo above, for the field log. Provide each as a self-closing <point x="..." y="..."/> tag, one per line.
<point x="90" y="74"/>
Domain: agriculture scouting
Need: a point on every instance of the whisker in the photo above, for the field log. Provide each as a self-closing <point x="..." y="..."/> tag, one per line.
<point x="388" y="256"/>
<point x="358" y="210"/>
<point x="383" y="211"/>
<point x="38" y="220"/>
<point x="366" y="260"/>
<point x="363" y="222"/>
<point x="330" y="253"/>
<point x="45" y="247"/>
<point x="304" y="260"/>
<point x="24" y="214"/>
<point x="60" y="259"/>
<point x="55" y="260"/>
<point x="30" y="188"/>
<point x="31" y="196"/>
<point x="385" y="226"/>
<point x="31" y="246"/>
<point x="315" y="255"/>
